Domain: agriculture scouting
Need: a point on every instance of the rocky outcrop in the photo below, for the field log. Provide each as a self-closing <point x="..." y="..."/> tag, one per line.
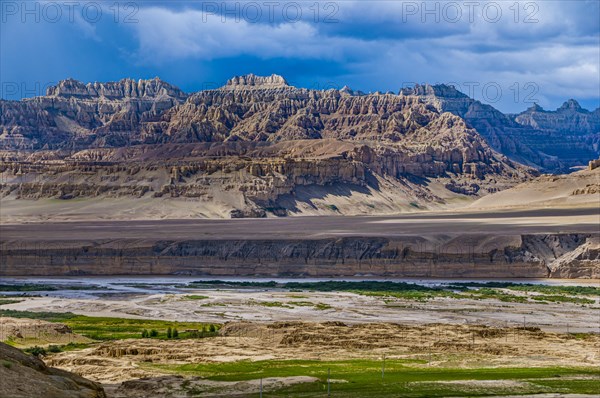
<point x="126" y="88"/>
<point x="458" y="256"/>
<point x="548" y="140"/>
<point x="24" y="376"/>
<point x="570" y="117"/>
<point x="252" y="81"/>
<point x="75" y="115"/>
<point x="582" y="262"/>
<point x="258" y="144"/>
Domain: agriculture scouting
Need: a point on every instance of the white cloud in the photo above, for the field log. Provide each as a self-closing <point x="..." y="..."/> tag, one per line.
<point x="559" y="53"/>
<point x="166" y="34"/>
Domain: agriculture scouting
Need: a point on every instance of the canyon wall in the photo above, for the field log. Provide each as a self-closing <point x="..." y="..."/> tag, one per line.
<point x="443" y="256"/>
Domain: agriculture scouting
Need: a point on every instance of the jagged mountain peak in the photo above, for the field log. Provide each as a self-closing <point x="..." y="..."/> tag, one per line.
<point x="436" y="90"/>
<point x="571" y="105"/>
<point x="267" y="109"/>
<point x="346" y="90"/>
<point x="124" y="88"/>
<point x="535" y="108"/>
<point x="252" y="81"/>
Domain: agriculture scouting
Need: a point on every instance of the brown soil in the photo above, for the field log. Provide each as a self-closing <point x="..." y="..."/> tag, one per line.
<point x="116" y="363"/>
<point x="28" y="332"/>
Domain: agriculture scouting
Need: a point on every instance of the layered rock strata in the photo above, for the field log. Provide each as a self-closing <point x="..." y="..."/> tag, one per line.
<point x="443" y="256"/>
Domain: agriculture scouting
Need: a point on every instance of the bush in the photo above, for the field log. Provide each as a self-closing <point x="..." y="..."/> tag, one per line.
<point x="153" y="333"/>
<point x="169" y="333"/>
<point x="36" y="351"/>
<point x="212" y="328"/>
<point x="144" y="333"/>
<point x="54" y="348"/>
<point x="175" y="333"/>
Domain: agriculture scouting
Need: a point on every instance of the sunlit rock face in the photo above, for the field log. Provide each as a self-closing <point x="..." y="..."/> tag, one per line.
<point x="552" y="141"/>
<point x="77" y="116"/>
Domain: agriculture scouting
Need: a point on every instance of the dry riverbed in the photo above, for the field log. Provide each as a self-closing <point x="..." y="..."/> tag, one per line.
<point x="474" y="341"/>
<point x="261" y="305"/>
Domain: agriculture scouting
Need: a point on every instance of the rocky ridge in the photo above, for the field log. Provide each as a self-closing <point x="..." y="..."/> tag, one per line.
<point x="552" y="141"/>
<point x="252" y="81"/>
<point x="25" y="376"/>
<point x="258" y="144"/>
<point x="78" y="116"/>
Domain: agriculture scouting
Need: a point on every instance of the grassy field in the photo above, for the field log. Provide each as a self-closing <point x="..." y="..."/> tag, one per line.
<point x="104" y="328"/>
<point x="529" y="287"/>
<point x="194" y="297"/>
<point x="412" y="378"/>
<point x="4" y="301"/>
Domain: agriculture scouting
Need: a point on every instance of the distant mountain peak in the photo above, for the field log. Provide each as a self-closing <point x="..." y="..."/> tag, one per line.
<point x="535" y="108"/>
<point x="252" y="81"/>
<point x="346" y="90"/>
<point x="437" y="90"/>
<point x="571" y="105"/>
<point x="124" y="88"/>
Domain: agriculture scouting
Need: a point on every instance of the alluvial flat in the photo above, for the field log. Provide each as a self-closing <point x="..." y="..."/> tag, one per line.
<point x="542" y="221"/>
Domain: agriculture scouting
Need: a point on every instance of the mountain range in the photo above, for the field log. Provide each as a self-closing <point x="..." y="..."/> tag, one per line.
<point x="258" y="146"/>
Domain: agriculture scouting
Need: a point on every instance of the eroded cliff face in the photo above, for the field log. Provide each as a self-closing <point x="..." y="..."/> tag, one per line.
<point x="583" y="261"/>
<point x="548" y="140"/>
<point x="251" y="179"/>
<point x="74" y="116"/>
<point x="472" y="256"/>
<point x="254" y="147"/>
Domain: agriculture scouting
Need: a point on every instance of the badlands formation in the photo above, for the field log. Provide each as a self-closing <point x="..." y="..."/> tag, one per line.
<point x="112" y="153"/>
<point x="258" y="147"/>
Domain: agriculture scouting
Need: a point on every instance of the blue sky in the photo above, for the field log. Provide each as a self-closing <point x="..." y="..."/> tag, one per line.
<point x="505" y="53"/>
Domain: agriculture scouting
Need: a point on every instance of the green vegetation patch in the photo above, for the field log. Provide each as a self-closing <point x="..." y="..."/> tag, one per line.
<point x="194" y="297"/>
<point x="276" y="304"/>
<point x="410" y="378"/>
<point x="486" y="293"/>
<point x="36" y="287"/>
<point x="44" y="316"/>
<point x="301" y="303"/>
<point x="562" y="299"/>
<point x="530" y="287"/>
<point x="317" y="306"/>
<point x="4" y="301"/>
<point x="106" y="328"/>
<point x="409" y="291"/>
